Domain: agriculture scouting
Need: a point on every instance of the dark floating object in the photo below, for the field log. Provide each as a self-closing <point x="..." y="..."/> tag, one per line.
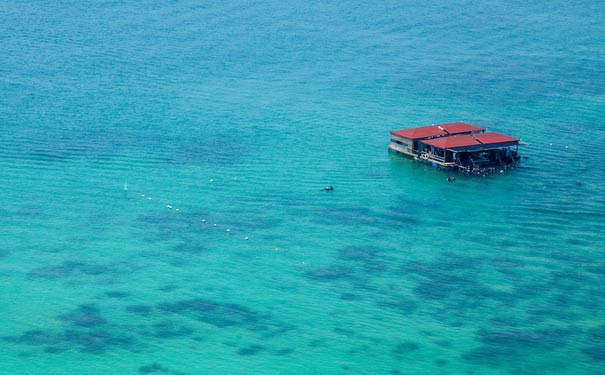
<point x="458" y="146"/>
<point x="329" y="188"/>
<point x="578" y="183"/>
<point x="451" y="179"/>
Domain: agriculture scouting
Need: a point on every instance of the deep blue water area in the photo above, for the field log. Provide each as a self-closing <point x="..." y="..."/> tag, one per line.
<point x="236" y="115"/>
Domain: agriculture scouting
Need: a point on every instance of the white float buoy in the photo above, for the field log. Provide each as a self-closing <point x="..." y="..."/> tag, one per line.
<point x="149" y="198"/>
<point x="211" y="180"/>
<point x="143" y="195"/>
<point x="169" y="207"/>
<point x="215" y="225"/>
<point x="177" y="210"/>
<point x="228" y="230"/>
<point x="246" y="238"/>
<point x="204" y="221"/>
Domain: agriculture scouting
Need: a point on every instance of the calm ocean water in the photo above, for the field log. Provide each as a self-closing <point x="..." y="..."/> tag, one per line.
<point x="237" y="114"/>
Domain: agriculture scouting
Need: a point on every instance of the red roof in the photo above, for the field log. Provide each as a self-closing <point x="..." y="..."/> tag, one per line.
<point x="453" y="142"/>
<point x="493" y="137"/>
<point x="470" y="140"/>
<point x="421" y="132"/>
<point x="460" y="127"/>
<point x="437" y="130"/>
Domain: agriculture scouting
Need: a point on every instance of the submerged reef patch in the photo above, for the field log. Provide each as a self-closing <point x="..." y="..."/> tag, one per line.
<point x="548" y="338"/>
<point x="513" y="344"/>
<point x="36" y="337"/>
<point x="400" y="304"/>
<point x="167" y="227"/>
<point x="117" y="294"/>
<point x="149" y="369"/>
<point x="453" y="282"/>
<point x="330" y="273"/>
<point x="84" y="316"/>
<point x="358" y="253"/>
<point x="250" y="350"/>
<point x="86" y="330"/>
<point x="350" y="297"/>
<point x="361" y="216"/>
<point x="596" y="344"/>
<point x="87" y="341"/>
<point x="358" y="266"/>
<point x="368" y="258"/>
<point x="344" y="331"/>
<point x="190" y="247"/>
<point x="226" y="315"/>
<point x="283" y="352"/>
<point x="216" y="149"/>
<point x="140" y="309"/>
<point x="215" y="313"/>
<point x="69" y="268"/>
<point x="157" y="368"/>
<point x="97" y="342"/>
<point x="167" y="329"/>
<point x="405" y="347"/>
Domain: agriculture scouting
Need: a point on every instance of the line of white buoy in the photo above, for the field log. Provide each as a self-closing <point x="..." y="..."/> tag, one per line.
<point x="204" y="221"/>
<point x="228" y="230"/>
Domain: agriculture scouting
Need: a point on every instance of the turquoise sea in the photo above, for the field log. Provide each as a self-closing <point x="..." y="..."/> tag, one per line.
<point x="238" y="114"/>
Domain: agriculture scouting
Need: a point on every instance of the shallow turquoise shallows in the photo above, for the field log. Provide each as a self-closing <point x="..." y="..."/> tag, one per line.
<point x="236" y="115"/>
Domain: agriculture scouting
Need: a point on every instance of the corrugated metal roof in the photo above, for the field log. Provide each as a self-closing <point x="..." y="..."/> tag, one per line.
<point x="437" y="130"/>
<point x="493" y="137"/>
<point x="458" y="141"/>
<point x="421" y="132"/>
<point x="460" y="127"/>
<point x="453" y="141"/>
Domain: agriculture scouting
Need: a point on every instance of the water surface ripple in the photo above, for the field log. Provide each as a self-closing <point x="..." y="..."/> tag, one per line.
<point x="236" y="115"/>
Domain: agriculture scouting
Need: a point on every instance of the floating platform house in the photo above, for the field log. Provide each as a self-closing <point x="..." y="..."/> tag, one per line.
<point x="458" y="145"/>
